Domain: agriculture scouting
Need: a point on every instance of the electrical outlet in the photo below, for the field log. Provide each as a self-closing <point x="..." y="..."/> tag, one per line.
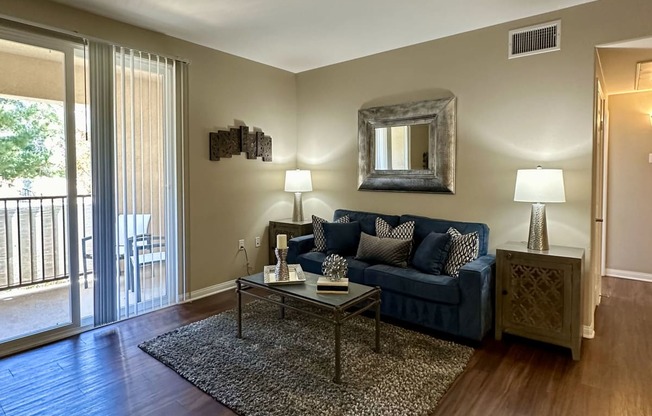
<point x="257" y="241"/>
<point x="241" y="244"/>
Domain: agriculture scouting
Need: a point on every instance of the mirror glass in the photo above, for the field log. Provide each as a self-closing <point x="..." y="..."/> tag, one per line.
<point x="402" y="147"/>
<point x="408" y="147"/>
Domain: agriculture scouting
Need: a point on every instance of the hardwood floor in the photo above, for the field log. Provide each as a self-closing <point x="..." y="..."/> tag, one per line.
<point x="613" y="377"/>
<point x="104" y="372"/>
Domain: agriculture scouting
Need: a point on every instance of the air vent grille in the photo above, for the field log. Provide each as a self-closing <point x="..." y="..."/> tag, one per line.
<point x="532" y="40"/>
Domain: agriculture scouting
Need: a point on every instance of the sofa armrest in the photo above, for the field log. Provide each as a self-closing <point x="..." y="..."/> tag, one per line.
<point x="299" y="245"/>
<point x="477" y="285"/>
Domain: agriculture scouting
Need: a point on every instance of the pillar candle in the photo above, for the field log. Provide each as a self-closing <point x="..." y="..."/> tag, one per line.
<point x="282" y="241"/>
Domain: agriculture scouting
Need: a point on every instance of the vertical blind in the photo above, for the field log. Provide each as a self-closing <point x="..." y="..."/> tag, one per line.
<point x="147" y="91"/>
<point x="100" y="58"/>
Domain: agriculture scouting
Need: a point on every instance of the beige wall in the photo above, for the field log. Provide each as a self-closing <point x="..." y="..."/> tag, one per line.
<point x="511" y="114"/>
<point x="229" y="199"/>
<point x="629" y="197"/>
<point x="24" y="76"/>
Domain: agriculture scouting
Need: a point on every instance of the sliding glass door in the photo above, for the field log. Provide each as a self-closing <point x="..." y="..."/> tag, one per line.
<point x="91" y="211"/>
<point x="41" y="98"/>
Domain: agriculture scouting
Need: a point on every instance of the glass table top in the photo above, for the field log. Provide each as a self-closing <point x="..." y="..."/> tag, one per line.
<point x="308" y="290"/>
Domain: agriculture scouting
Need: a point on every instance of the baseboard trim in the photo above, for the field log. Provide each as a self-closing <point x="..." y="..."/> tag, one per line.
<point x="33" y="341"/>
<point x="210" y="290"/>
<point x="588" y="332"/>
<point x="626" y="274"/>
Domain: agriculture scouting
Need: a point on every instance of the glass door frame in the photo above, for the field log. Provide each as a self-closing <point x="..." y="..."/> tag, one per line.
<point x="74" y="327"/>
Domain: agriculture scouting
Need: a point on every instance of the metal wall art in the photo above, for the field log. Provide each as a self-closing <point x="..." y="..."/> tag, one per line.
<point x="238" y="140"/>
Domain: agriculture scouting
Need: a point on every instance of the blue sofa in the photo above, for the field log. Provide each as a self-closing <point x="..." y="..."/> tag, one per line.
<point x="460" y="306"/>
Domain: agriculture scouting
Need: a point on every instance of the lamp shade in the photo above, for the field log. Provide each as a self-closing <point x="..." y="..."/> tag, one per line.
<point x="298" y="181"/>
<point x="539" y="185"/>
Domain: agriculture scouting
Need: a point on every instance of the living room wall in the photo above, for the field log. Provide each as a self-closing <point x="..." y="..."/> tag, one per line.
<point x="511" y="114"/>
<point x="229" y="199"/>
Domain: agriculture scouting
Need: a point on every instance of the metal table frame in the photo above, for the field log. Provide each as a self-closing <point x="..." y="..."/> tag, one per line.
<point x="338" y="315"/>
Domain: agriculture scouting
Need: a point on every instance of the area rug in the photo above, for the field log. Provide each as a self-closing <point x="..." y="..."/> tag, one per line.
<point x="286" y="366"/>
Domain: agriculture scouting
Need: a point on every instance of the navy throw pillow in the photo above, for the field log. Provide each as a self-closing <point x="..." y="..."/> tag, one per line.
<point x="342" y="238"/>
<point x="431" y="255"/>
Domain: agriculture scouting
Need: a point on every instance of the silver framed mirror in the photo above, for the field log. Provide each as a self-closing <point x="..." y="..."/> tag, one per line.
<point x="408" y="147"/>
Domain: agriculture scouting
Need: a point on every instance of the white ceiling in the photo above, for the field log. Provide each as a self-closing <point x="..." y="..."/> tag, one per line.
<point x="619" y="68"/>
<point x="299" y="35"/>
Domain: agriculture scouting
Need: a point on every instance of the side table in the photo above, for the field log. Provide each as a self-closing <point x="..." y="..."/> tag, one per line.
<point x="539" y="294"/>
<point x="289" y="227"/>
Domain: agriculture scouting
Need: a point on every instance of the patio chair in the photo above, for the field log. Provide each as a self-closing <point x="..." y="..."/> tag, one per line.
<point x="140" y="228"/>
<point x="144" y="250"/>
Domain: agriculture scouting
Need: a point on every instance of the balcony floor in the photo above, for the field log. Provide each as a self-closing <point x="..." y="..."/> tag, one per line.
<point x="35" y="308"/>
<point x="31" y="309"/>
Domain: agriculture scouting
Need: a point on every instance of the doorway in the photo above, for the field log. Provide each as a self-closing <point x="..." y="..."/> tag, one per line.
<point x="627" y="163"/>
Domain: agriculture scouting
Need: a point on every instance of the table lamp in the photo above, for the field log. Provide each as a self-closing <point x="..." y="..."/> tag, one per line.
<point x="298" y="181"/>
<point x="539" y="186"/>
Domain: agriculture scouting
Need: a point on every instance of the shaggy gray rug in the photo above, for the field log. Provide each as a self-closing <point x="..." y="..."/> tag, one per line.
<point x="285" y="367"/>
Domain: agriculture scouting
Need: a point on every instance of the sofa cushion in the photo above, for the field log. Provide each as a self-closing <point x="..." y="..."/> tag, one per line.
<point x="432" y="253"/>
<point x="311" y="262"/>
<point x="342" y="238"/>
<point x="318" y="231"/>
<point x="464" y="248"/>
<point x="411" y="282"/>
<point x="424" y="226"/>
<point x="367" y="220"/>
<point x="390" y="251"/>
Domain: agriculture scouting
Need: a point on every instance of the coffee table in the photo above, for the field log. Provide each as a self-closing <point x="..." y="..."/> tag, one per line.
<point x="341" y="307"/>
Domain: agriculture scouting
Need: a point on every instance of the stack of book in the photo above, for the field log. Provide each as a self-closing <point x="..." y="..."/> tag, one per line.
<point x="325" y="285"/>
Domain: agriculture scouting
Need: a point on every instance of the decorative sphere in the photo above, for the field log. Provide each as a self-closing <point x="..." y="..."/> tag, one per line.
<point x="334" y="267"/>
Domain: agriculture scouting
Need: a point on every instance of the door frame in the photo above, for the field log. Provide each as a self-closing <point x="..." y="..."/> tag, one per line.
<point x="598" y="201"/>
<point x="72" y="254"/>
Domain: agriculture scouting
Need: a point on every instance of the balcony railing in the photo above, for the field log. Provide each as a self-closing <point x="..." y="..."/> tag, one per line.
<point x="34" y="240"/>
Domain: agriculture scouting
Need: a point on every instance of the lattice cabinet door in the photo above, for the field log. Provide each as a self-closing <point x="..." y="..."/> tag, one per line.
<point x="538" y="294"/>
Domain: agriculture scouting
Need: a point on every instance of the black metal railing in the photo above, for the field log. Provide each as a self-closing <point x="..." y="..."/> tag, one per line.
<point x="34" y="239"/>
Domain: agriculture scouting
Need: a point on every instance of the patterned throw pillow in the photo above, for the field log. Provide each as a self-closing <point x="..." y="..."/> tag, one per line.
<point x="464" y="248"/>
<point x="318" y="231"/>
<point x="404" y="231"/>
<point x="390" y="251"/>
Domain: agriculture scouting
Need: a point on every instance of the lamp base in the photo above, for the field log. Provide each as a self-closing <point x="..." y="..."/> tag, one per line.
<point x="538" y="239"/>
<point x="297" y="212"/>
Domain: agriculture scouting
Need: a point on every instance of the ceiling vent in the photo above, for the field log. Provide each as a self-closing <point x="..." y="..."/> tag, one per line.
<point x="532" y="40"/>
